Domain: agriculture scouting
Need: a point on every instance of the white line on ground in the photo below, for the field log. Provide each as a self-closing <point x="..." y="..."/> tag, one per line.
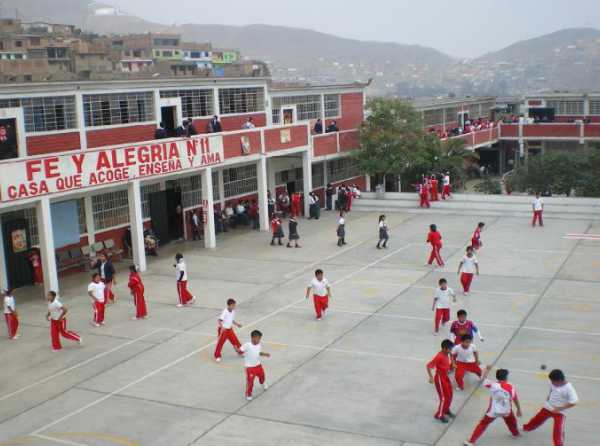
<point x="500" y="293"/>
<point x="58" y="440"/>
<point x="537" y="372"/>
<point x="76" y="366"/>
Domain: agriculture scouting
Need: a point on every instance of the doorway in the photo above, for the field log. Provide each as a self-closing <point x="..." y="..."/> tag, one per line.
<point x="168" y="116"/>
<point x="16" y="249"/>
<point x="462" y="118"/>
<point x="166" y="214"/>
<point x="291" y="188"/>
<point x="288" y="114"/>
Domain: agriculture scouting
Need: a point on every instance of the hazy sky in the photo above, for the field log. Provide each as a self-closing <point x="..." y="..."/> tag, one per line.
<point x="457" y="27"/>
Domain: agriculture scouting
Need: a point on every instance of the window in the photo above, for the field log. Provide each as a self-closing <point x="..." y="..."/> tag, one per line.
<point x="18" y="44"/>
<point x="332" y="105"/>
<point x="10" y="103"/>
<point x="167" y="53"/>
<point x="191" y="190"/>
<point x="318" y="177"/>
<point x="241" y="100"/>
<point x="572" y="108"/>
<point x="166" y="42"/>
<point x="137" y="53"/>
<point x="194" y="103"/>
<point x="595" y="107"/>
<point x="145" y="192"/>
<point x="307" y="107"/>
<point x="451" y="114"/>
<point x="475" y="111"/>
<point x="48" y="114"/>
<point x="110" y="210"/>
<point x="112" y="109"/>
<point x="35" y="41"/>
<point x="342" y="169"/>
<point x="433" y="117"/>
<point x="240" y="180"/>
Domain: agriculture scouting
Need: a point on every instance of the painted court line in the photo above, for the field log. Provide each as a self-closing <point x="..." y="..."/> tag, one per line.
<point x="76" y="366"/>
<point x="57" y="440"/>
<point x="189" y="355"/>
<point x="500" y="293"/>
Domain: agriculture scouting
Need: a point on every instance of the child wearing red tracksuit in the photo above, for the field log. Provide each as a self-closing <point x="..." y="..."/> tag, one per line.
<point x="503" y="395"/>
<point x="424" y="195"/>
<point x="10" y="315"/>
<point x="442" y="365"/>
<point x="435" y="239"/>
<point x="476" y="238"/>
<point x="225" y="329"/>
<point x="58" y="322"/>
<point x="96" y="290"/>
<point x="462" y="326"/>
<point x="441" y="304"/>
<point x="469" y="267"/>
<point x="252" y="352"/>
<point x="136" y="286"/>
<point x="321" y="293"/>
<point x="465" y="358"/>
<point x="184" y="297"/>
<point x="562" y="397"/>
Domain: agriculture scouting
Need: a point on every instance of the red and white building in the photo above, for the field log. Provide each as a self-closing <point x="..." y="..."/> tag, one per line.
<point x="79" y="163"/>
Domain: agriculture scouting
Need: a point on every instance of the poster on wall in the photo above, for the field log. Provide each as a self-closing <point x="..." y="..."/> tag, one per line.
<point x="9" y="146"/>
<point x="285" y="136"/>
<point x="18" y="239"/>
<point x="245" y="140"/>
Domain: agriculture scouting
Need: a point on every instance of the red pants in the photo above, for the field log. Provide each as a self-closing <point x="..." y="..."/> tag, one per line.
<point x="434" y="195"/>
<point x="445" y="192"/>
<point x="321" y="304"/>
<point x="295" y="209"/>
<point x="183" y="294"/>
<point x="462" y="368"/>
<point x="558" y="434"/>
<point x="108" y="294"/>
<point x="466" y="279"/>
<point x="510" y="420"/>
<point x="12" y="323"/>
<point x="435" y="255"/>
<point x="251" y="373"/>
<point x="475" y="243"/>
<point x="59" y="328"/>
<point x="443" y="386"/>
<point x="98" y="311"/>
<point x="537" y="216"/>
<point x="140" y="305"/>
<point x="38" y="275"/>
<point x="226" y="334"/>
<point x="424" y="200"/>
<point x="441" y="315"/>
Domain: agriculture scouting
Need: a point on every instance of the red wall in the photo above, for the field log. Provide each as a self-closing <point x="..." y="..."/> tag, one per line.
<point x="592" y="131"/>
<point x="509" y="130"/>
<point x="230" y="123"/>
<point x="273" y="138"/>
<point x="550" y="130"/>
<point x="120" y="135"/>
<point x="60" y="142"/>
<point x="232" y="144"/>
<point x="352" y="111"/>
<point x="325" y="145"/>
<point x="349" y="141"/>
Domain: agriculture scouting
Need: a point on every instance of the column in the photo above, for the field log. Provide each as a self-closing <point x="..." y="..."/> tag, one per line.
<point x="81" y="121"/>
<point x="271" y="182"/>
<point x="46" y="236"/>
<point x="157" y="107"/>
<point x="136" y="220"/>
<point x="89" y="220"/>
<point x="307" y="179"/>
<point x="210" y="238"/>
<point x="221" y="189"/>
<point x="325" y="174"/>
<point x="263" y="208"/>
<point x="3" y="273"/>
<point x="217" y="106"/>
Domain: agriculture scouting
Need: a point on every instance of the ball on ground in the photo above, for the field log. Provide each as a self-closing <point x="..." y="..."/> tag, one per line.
<point x="543" y="367"/>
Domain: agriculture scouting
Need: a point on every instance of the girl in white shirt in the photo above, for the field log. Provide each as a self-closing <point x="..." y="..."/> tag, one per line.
<point x="469" y="267"/>
<point x="383" y="232"/>
<point x="10" y="314"/>
<point x="341" y="229"/>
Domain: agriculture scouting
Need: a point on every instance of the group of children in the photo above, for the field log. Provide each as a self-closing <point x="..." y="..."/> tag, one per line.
<point x="429" y="190"/>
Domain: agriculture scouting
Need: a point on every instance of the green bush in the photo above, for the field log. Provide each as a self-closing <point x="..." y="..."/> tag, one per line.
<point x="489" y="186"/>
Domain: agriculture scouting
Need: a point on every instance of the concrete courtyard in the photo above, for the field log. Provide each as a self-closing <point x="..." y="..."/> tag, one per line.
<point x="355" y="378"/>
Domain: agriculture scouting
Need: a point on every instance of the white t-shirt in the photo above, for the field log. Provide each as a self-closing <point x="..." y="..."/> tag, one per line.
<point x="342" y="221"/>
<point x="251" y="354"/>
<point x="196" y="220"/>
<point x="502" y="395"/>
<point x="55" y="309"/>
<point x="468" y="264"/>
<point x="179" y="268"/>
<point x="559" y="396"/>
<point x="382" y="225"/>
<point x="538" y="204"/>
<point x="227" y="317"/>
<point x="446" y="180"/>
<point x="442" y="297"/>
<point x="9" y="304"/>
<point x="464" y="354"/>
<point x="319" y="288"/>
<point x="97" y="290"/>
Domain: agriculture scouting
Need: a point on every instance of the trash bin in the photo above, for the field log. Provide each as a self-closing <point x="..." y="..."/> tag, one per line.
<point x="380" y="192"/>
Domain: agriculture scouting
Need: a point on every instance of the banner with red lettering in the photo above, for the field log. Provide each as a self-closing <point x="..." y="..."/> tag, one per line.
<point x="26" y="178"/>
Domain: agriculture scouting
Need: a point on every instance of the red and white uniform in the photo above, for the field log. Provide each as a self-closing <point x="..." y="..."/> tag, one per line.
<point x="184" y="297"/>
<point x="435" y="240"/>
<point x="58" y="325"/>
<point x="446" y="189"/>
<point x="465" y="362"/>
<point x="558" y="397"/>
<point x="136" y="286"/>
<point x="468" y="270"/>
<point x="253" y="366"/>
<point x="442" y="383"/>
<point x="538" y="209"/>
<point x="98" y="304"/>
<point x="460" y="329"/>
<point x="10" y="315"/>
<point x="442" y="306"/>
<point x="502" y="396"/>
<point x="320" y="295"/>
<point x="225" y="332"/>
<point x="424" y="194"/>
<point x="476" y="239"/>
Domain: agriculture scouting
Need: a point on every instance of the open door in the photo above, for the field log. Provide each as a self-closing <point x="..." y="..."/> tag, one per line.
<point x="16" y="249"/>
<point x="288" y="115"/>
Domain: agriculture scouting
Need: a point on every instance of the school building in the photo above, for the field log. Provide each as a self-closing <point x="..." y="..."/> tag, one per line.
<point x="80" y="166"/>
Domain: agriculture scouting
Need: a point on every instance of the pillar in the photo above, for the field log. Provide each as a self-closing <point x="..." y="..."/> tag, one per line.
<point x="221" y="189"/>
<point x="307" y="179"/>
<point x="136" y="221"/>
<point x="44" y="221"/>
<point x="210" y="238"/>
<point x="81" y="121"/>
<point x="271" y="182"/>
<point x="89" y="219"/>
<point x="3" y="273"/>
<point x="263" y="205"/>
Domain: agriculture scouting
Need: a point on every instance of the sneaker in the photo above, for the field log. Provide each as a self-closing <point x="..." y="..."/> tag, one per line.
<point x="218" y="359"/>
<point x="450" y="414"/>
<point x="318" y="318"/>
<point x="248" y="398"/>
<point x="193" y="301"/>
<point x="458" y="389"/>
<point x="468" y="443"/>
<point x="80" y="341"/>
<point x="179" y="305"/>
<point x="95" y="324"/>
<point x="265" y="386"/>
<point x="134" y="318"/>
<point x="435" y="333"/>
<point x="15" y="337"/>
<point x="443" y="419"/>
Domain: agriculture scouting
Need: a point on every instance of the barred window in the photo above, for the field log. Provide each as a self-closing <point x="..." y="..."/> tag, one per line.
<point x="241" y="100"/>
<point x="332" y="105"/>
<point x="46" y="114"/>
<point x="10" y="103"/>
<point x="486" y="109"/>
<point x="240" y="180"/>
<point x="342" y="169"/>
<point x="191" y="190"/>
<point x="595" y="107"/>
<point x="81" y="216"/>
<point x="451" y="114"/>
<point x="145" y="191"/>
<point x="118" y="108"/>
<point x="318" y="177"/>
<point x="287" y="176"/>
<point x="307" y="107"/>
<point x="572" y="108"/>
<point x="433" y="117"/>
<point x="110" y="210"/>
<point x="194" y="103"/>
<point x="474" y="111"/>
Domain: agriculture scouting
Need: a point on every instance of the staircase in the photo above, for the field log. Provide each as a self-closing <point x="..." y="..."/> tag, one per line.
<point x="479" y="204"/>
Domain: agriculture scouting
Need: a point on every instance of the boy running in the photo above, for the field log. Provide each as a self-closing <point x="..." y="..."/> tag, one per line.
<point x="11" y="315"/>
<point x="435" y="239"/>
<point x="252" y="352"/>
<point x="476" y="242"/>
<point x="562" y="397"/>
<point x="184" y="297"/>
<point x="96" y="290"/>
<point x="441" y="304"/>
<point x="502" y="397"/>
<point x="469" y="266"/>
<point x="442" y="365"/>
<point x="225" y="329"/>
<point x="321" y="293"/>
<point x="57" y="313"/>
<point x="465" y="358"/>
<point x="462" y="326"/>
